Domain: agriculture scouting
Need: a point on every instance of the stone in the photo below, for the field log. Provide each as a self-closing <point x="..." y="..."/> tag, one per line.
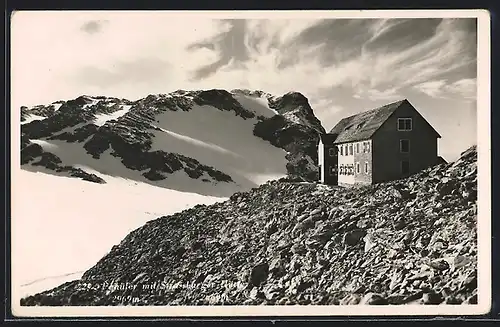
<point x="471" y="300"/>
<point x="354" y="237"/>
<point x="369" y="242"/>
<point x="373" y="299"/>
<point x="258" y="274"/>
<point x="439" y="264"/>
<point x="351" y="299"/>
<point x="256" y="294"/>
<point x="432" y="298"/>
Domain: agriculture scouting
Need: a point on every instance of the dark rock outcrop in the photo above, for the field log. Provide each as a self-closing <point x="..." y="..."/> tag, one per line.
<point x="296" y="107"/>
<point x="222" y="100"/>
<point x="296" y="130"/>
<point x="34" y="154"/>
<point x="300" y="142"/>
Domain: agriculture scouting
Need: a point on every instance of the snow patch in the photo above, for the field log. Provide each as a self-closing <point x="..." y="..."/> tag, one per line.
<point x="101" y="119"/>
<point x="258" y="105"/>
<point x="92" y="103"/>
<point x="57" y="106"/>
<point x="32" y="117"/>
<point x="70" y="129"/>
<point x="222" y="140"/>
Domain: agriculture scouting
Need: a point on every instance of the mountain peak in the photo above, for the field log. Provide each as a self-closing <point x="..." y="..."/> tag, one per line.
<point x="295" y="107"/>
<point x="162" y="128"/>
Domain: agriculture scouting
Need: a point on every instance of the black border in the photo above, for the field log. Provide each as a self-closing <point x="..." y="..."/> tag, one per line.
<point x="263" y="5"/>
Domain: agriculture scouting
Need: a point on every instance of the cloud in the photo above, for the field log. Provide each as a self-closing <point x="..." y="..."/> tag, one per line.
<point x="377" y="59"/>
<point x="341" y="65"/>
<point x="241" y="41"/>
<point x="432" y="88"/>
<point x="93" y="26"/>
<point x="227" y="45"/>
<point x="462" y="89"/>
<point x="465" y="87"/>
<point x="372" y="59"/>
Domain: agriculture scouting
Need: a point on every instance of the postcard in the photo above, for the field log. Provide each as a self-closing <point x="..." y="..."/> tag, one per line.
<point x="250" y="163"/>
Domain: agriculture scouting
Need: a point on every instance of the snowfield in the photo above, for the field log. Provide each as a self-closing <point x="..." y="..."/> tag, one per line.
<point x="222" y="140"/>
<point x="62" y="226"/>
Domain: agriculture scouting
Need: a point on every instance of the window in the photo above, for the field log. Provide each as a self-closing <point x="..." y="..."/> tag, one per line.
<point x="404" y="124"/>
<point x="404" y="146"/>
<point x="331" y="152"/>
<point x="350" y="149"/>
<point x="357" y="147"/>
<point x="333" y="171"/>
<point x="345" y="150"/>
<point x="405" y="167"/>
<point x="357" y="168"/>
<point x="340" y="150"/>
<point x="367" y="147"/>
<point x="366" y="167"/>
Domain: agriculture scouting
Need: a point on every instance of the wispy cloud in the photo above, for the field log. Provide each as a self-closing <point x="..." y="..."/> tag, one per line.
<point x="230" y="37"/>
<point x="432" y="88"/>
<point x="377" y="58"/>
<point x="463" y="88"/>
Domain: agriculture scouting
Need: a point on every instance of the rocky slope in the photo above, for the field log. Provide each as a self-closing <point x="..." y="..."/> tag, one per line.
<point x="296" y="130"/>
<point x="411" y="241"/>
<point x="128" y="131"/>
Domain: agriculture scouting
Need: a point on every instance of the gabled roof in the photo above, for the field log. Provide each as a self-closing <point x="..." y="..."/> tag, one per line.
<point x="362" y="126"/>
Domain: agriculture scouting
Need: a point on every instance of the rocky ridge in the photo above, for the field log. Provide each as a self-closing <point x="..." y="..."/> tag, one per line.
<point x="411" y="241"/>
<point x="296" y="130"/>
<point x="129" y="136"/>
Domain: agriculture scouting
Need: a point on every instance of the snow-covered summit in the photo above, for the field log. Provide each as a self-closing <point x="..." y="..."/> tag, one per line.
<point x="224" y="141"/>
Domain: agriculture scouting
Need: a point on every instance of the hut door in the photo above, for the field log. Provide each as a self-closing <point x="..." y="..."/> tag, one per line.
<point x="333" y="167"/>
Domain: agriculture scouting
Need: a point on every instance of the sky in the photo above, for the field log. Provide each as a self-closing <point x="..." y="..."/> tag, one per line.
<point x="343" y="66"/>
